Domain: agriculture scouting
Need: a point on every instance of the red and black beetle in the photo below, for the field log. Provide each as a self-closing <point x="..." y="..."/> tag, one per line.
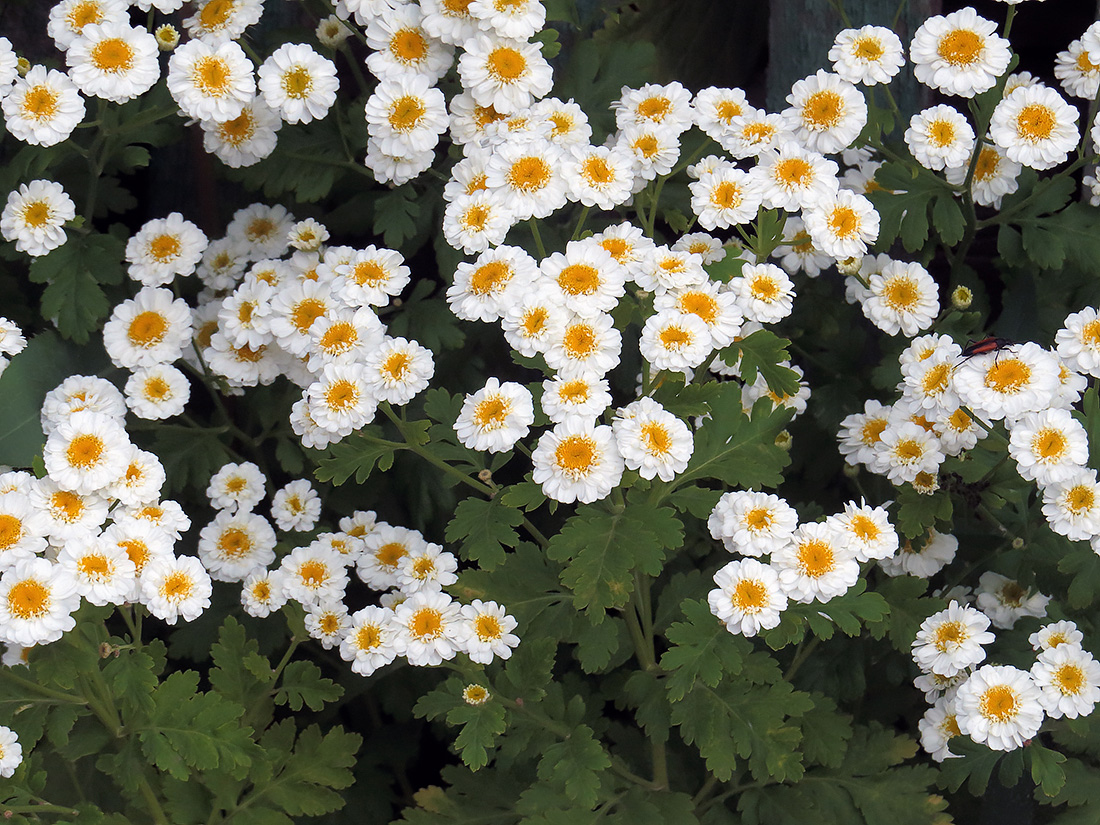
<point x="985" y="345"/>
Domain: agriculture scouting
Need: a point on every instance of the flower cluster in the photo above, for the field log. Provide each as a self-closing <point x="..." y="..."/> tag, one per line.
<point x="809" y="562"/>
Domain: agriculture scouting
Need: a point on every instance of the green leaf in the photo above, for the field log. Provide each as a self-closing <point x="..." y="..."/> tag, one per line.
<point x="357" y="455"/>
<point x="737" y="449"/>
<point x="702" y="650"/>
<point x="1046" y="768"/>
<point x="602" y="550"/>
<point x="908" y="609"/>
<point x="914" y="225"/>
<point x="428" y="320"/>
<point x="548" y="43"/>
<point x="825" y="732"/>
<point x="74" y="299"/>
<point x="845" y="612"/>
<point x="1044" y="247"/>
<point x="917" y="513"/>
<point x="974" y="766"/>
<point x="305" y="784"/>
<point x="575" y="765"/>
<point x="305" y="165"/>
<point x="45" y="363"/>
<point x="687" y="401"/>
<point x="189" y="457"/>
<point x="524" y="495"/>
<point x="763" y="351"/>
<point x="302" y="684"/>
<point x="191" y="730"/>
<point x="132" y="676"/>
<point x="395" y="216"/>
<point x="948" y="220"/>
<point x="481" y="725"/>
<point x="485" y="528"/>
<point x="597" y="643"/>
<point x="1075" y="228"/>
<point x="749" y="721"/>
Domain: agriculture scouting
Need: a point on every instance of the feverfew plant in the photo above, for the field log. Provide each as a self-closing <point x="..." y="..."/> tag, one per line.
<point x="439" y="469"/>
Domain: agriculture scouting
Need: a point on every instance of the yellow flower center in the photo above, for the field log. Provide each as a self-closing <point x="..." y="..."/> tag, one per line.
<point x="396" y="366"/>
<point x="750" y="596"/>
<point x="339" y="338"/>
<point x="908" y="450"/>
<point x="164" y="247"/>
<point x="998" y="703"/>
<point x="655" y="108"/>
<point x="529" y="174"/>
<point x="647" y="146"/>
<point x="764" y="288"/>
<point x="112" y="55"/>
<point x="758" y="518"/>
<point x="656" y="438"/>
<point x="67" y="506"/>
<point x="215" y="13"/>
<point x="390" y="554"/>
<point x="815" y="558"/>
<point x="137" y="551"/>
<point x="961" y="47"/>
<point x="1080" y="499"/>
<point x="534" y="321"/>
<point x="1035" y="122"/>
<point x="476" y="217"/>
<point x="949" y="635"/>
<point x="576" y="455"/>
<point x="901" y="293"/>
<point x="488" y="628"/>
<point x="867" y="48"/>
<point x="1009" y="376"/>
<point x="313" y="573"/>
<point x="758" y="132"/>
<point x="305" y="312"/>
<point x="11" y="530"/>
<point x="40" y="102"/>
<point x="506" y="65"/>
<point x="793" y="172"/>
<point x="596" y="171"/>
<point x="409" y="46"/>
<point x="937" y="379"/>
<point x="699" y="304"/>
<point x="492" y="412"/>
<point x="234" y="543"/>
<point x="29" y="599"/>
<point x="147" y="329"/>
<point x="727" y="110"/>
<point x="574" y="392"/>
<point x="211" y="76"/>
<point x="580" y="340"/>
<point x="36" y="214"/>
<point x="941" y="133"/>
<point x="177" y="586"/>
<point x="844" y="222"/>
<point x="865" y="527"/>
<point x="81" y="14"/>
<point x="406" y="113"/>
<point x="1085" y="65"/>
<point x="675" y="338"/>
<point x="1069" y="679"/>
<point x="298" y="82"/>
<point x="426" y="623"/>
<point x="823" y="110"/>
<point x="342" y="396"/>
<point x="368" y="637"/>
<point x="1049" y="444"/>
<point x="617" y="248"/>
<point x="239" y="129"/>
<point x="94" y="566"/>
<point x="579" y="279"/>
<point x="85" y="451"/>
<point x="490" y="277"/>
<point x="726" y="195"/>
<point x="261" y="591"/>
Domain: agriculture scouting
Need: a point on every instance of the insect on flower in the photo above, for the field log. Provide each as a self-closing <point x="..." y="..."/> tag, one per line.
<point x="985" y="345"/>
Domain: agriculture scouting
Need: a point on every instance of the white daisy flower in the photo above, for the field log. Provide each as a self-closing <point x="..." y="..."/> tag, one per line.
<point x="936" y="552"/>
<point x="1079" y="76"/>
<point x="245" y="139"/>
<point x="235" y="545"/>
<point x="1008" y="384"/>
<point x="764" y="293"/>
<point x="1004" y="601"/>
<point x="505" y="74"/>
<point x="327" y="622"/>
<point x="368" y="641"/>
<point x="726" y="197"/>
<point x="1035" y="127"/>
<point x="43" y="107"/>
<point x="294" y="309"/>
<point x="655" y="148"/>
<point x="151" y="328"/>
<point x="815" y="565"/>
<point x="166" y="515"/>
<point x="675" y="342"/>
<point x="114" y="61"/>
<point x="1069" y="680"/>
<point x="86" y="452"/>
<point x="576" y="461"/>
<point x="706" y="246"/>
<point x="398" y="370"/>
<point x="448" y="21"/>
<point x="425" y="569"/>
<point x="867" y="531"/>
<point x="296" y="506"/>
<point x="372" y="277"/>
<point x="1078" y="341"/>
<point x="1048" y="446"/>
<point x="383" y="549"/>
<point x="668" y="106"/>
<point x="406" y="114"/>
<point x="797" y="253"/>
<point x="959" y="53"/>
<point x="717" y="308"/>
<point x="842" y="226"/>
<point x="164" y="248"/>
<point x="826" y="112"/>
<point x="583" y="346"/>
<point x="586" y="280"/>
<point x="175" y="587"/>
<point x="476" y="222"/>
<point x="69" y="17"/>
<point x="1072" y="507"/>
<point x="527" y="178"/>
<point x="652" y="440"/>
<point x="401" y="45"/>
<point x="869" y="55"/>
<point x="314" y="575"/>
<point x="35" y="216"/>
<point x="343" y="337"/>
<point x="217" y="21"/>
<point x="236" y="487"/>
<point x="598" y="176"/>
<point x="485" y="632"/>
<point x="68" y="514"/>
<point x="22" y="528"/>
<point x="793" y="177"/>
<point x="752" y="523"/>
<point x="428" y="628"/>
<point x="140" y="482"/>
<point x="749" y="597"/>
<point x="1056" y="634"/>
<point x="262" y="593"/>
<point x="629" y="246"/>
<point x="938" y="727"/>
<point x="534" y="321"/>
<point x="661" y="269"/>
<point x="582" y="396"/>
<point x="81" y="392"/>
<point x="37" y="600"/>
<point x="936" y="687"/>
<point x="482" y="290"/>
<point x="755" y="132"/>
<point x="951" y="641"/>
<point x="12" y="340"/>
<point x="715" y="108"/>
<point x="940" y="137"/>
<point x="999" y="706"/>
<point x="211" y="82"/>
<point x="298" y="83"/>
<point x="103" y="572"/>
<point x="495" y="417"/>
<point x="11" y="752"/>
<point x="903" y="298"/>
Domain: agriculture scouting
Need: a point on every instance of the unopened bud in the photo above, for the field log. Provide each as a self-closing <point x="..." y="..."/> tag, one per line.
<point x="485" y="476"/>
<point x="784" y="441"/>
<point x="851" y="470"/>
<point x="961" y="297"/>
<point x="105" y="650"/>
<point x="22" y="65"/>
<point x="1017" y="543"/>
<point x="849" y="266"/>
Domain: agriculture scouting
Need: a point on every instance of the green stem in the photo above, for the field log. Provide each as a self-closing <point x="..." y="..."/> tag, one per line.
<point x="800" y="656"/>
<point x="485" y="489"/>
<point x="580" y="223"/>
<point x="155" y="809"/>
<point x="8" y="674"/>
<point x="1008" y="21"/>
<point x="898" y="13"/>
<point x="538" y="237"/>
